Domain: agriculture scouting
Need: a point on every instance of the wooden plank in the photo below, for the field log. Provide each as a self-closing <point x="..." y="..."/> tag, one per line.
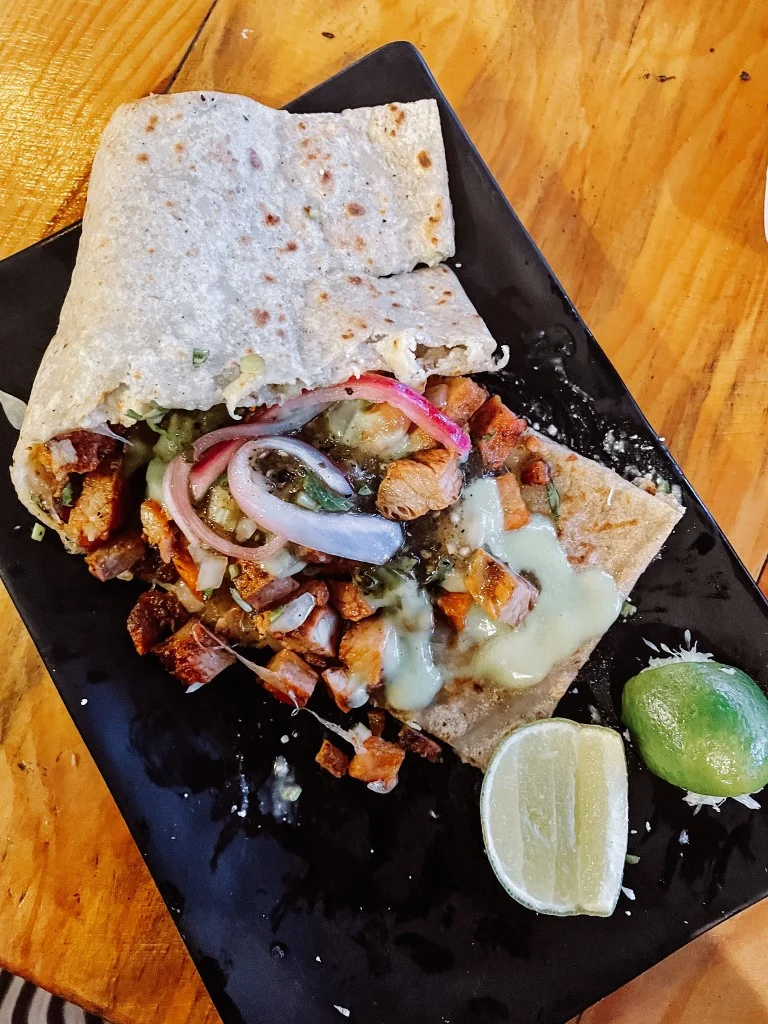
<point x="66" y="66"/>
<point x="79" y="912"/>
<point x="721" y="976"/>
<point x="645" y="196"/>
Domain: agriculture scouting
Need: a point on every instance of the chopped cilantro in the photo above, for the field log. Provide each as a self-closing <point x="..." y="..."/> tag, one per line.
<point x="233" y="570"/>
<point x="365" y="491"/>
<point x="627" y="610"/>
<point x="323" y="496"/>
<point x="553" y="497"/>
<point x="440" y="571"/>
<point x="199" y="356"/>
<point x="67" y="496"/>
<point x="486" y="437"/>
<point x="632" y="858"/>
<point x="207" y="593"/>
<point x="151" y="418"/>
<point x="38" y="531"/>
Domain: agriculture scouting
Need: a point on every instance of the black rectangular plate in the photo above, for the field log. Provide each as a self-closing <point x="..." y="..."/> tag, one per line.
<point x="387" y="906"/>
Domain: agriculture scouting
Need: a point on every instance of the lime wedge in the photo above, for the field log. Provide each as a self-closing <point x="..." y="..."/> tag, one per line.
<point x="554" y="813"/>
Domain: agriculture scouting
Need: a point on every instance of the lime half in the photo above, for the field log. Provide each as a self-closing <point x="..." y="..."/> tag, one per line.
<point x="700" y="725"/>
<point x="554" y="814"/>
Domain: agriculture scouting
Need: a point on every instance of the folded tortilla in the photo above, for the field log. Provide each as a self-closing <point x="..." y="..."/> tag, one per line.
<point x="217" y="228"/>
<point x="604" y="521"/>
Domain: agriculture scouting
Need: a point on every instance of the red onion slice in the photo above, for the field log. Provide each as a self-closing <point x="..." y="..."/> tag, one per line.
<point x="374" y="388"/>
<point x="314" y="460"/>
<point x="210" y="467"/>
<point x="177" y="501"/>
<point x="363" y="538"/>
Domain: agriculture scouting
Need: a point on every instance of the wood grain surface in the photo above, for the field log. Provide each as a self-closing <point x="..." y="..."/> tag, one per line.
<point x="633" y="148"/>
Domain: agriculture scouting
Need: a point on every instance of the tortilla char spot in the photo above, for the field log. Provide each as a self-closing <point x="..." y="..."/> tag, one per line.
<point x="193" y="252"/>
<point x="393" y="132"/>
<point x="280" y="332"/>
<point x="308" y="210"/>
<point x="440" y="302"/>
<point x="398" y="112"/>
<point x="323" y="296"/>
<point x="143" y="158"/>
<point x="424" y="158"/>
<point x="346" y="335"/>
<point x="254" y="160"/>
<point x="150" y="249"/>
<point x="178" y="117"/>
<point x="571" y="458"/>
<point x="304" y="143"/>
<point x="396" y="305"/>
<point x="169" y="203"/>
<point x="355" y="210"/>
<point x="359" y="243"/>
<point x="245" y="239"/>
<point x="303" y="126"/>
<point x="362" y="325"/>
<point x="151" y="123"/>
<point x="434" y="240"/>
<point x="355" y="280"/>
<point x="260" y="317"/>
<point x="269" y="278"/>
<point x="271" y="220"/>
<point x="291" y="246"/>
<point x="180" y="148"/>
<point x="281" y="318"/>
<point x="448" y="293"/>
<point x="369" y="261"/>
<point x="193" y="168"/>
<point x="388" y="321"/>
<point x="326" y="179"/>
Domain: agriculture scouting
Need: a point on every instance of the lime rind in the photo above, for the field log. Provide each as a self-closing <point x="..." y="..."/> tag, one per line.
<point x="701" y="726"/>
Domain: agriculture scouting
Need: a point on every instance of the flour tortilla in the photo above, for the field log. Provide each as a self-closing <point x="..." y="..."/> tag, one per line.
<point x="217" y="228"/>
<point x="604" y="520"/>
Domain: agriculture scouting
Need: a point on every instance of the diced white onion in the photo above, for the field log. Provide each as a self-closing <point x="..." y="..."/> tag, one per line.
<point x="211" y="572"/>
<point x="294" y="614"/>
<point x="245" y="529"/>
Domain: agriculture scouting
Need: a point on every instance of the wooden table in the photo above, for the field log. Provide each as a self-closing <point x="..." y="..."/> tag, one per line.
<point x="630" y="136"/>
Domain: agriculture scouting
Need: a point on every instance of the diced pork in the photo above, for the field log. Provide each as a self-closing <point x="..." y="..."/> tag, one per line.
<point x="295" y="682"/>
<point x="428" y="481"/>
<point x="377" y="719"/>
<point x="345" y="689"/>
<point x="500" y="592"/>
<point x="349" y="600"/>
<point x="185" y="565"/>
<point x="496" y="432"/>
<point x="318" y="589"/>
<point x="155" y="615"/>
<point x="332" y="759"/>
<point x="331" y="562"/>
<point x="317" y="638"/>
<point x="78" y="451"/>
<point x="118" y="556"/>
<point x="193" y="655"/>
<point x="152" y="569"/>
<point x="458" y="397"/>
<point x="100" y="509"/>
<point x="513" y="506"/>
<point x="536" y="472"/>
<point x="363" y="649"/>
<point x="377" y="763"/>
<point x="260" y="589"/>
<point x="455" y="607"/>
<point x="418" y="743"/>
<point x="158" y="528"/>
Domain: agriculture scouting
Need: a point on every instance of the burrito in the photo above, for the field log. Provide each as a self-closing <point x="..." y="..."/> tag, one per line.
<point x="259" y="402"/>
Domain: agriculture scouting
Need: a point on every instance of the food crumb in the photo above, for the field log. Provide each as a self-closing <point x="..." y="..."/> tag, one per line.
<point x="633" y="831"/>
<point x="285" y="739"/>
<point x="647" y="826"/>
<point x="245" y="33"/>
<point x="628" y="913"/>
<point x="342" y="1010"/>
<point x="328" y="35"/>
<point x="684" y="838"/>
<point x="552" y="430"/>
<point x="629" y="893"/>
<point x="434" y="814"/>
<point x="745" y="76"/>
<point x="318" y="959"/>
<point x="84" y="701"/>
